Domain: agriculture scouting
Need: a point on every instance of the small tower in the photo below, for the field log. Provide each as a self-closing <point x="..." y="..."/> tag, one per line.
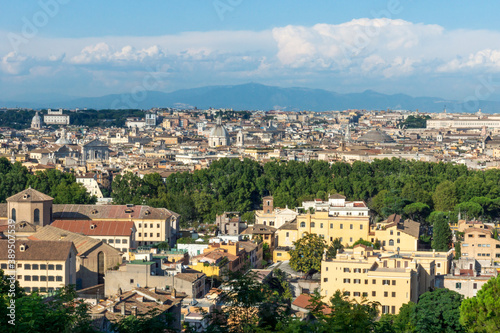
<point x="267" y="204"/>
<point x="240" y="139"/>
<point x="348" y="134"/>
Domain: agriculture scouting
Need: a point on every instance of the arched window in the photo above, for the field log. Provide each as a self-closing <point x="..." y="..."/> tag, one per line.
<point x="313" y="224"/>
<point x="391" y="242"/>
<point x="36" y="216"/>
<point x="13" y="215"/>
<point x="268" y="211"/>
<point x="302" y="224"/>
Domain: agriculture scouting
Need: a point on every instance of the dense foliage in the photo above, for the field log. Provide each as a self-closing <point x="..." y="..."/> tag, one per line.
<point x="21" y="119"/>
<point x="415" y="122"/>
<point x="482" y="312"/>
<point x="411" y="188"/>
<point x="307" y="253"/>
<point x="61" y="186"/>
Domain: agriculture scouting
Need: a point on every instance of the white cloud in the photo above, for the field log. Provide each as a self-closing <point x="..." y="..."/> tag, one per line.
<point x="485" y="59"/>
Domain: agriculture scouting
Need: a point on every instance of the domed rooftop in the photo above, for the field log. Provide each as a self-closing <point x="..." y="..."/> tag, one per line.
<point x="219" y="131"/>
<point x="376" y="136"/>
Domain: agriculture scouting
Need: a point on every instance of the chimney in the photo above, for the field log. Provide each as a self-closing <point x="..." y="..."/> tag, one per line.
<point x="123" y="308"/>
<point x="134" y="311"/>
<point x="174" y="293"/>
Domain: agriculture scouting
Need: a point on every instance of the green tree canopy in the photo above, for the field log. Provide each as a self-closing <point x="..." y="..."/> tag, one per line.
<point x="307" y="254"/>
<point x="438" y="311"/>
<point x="445" y="196"/>
<point x="441" y="234"/>
<point x="482" y="312"/>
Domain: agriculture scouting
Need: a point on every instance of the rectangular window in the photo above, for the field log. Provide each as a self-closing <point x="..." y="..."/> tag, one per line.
<point x="139" y="225"/>
<point x="357" y="294"/>
<point x="131" y="281"/>
<point x="341" y="226"/>
<point x="59" y="278"/>
<point x="145" y="225"/>
<point x="117" y="241"/>
<point x="393" y="309"/>
<point x="151" y="225"/>
<point x="357" y="281"/>
<point x="365" y="294"/>
<point x="393" y="294"/>
<point x="43" y="266"/>
<point x="346" y="270"/>
<point x="51" y="267"/>
<point x="34" y="266"/>
<point x="3" y="266"/>
<point x="374" y="281"/>
<point x="374" y="293"/>
<point x="361" y="227"/>
<point x="59" y="267"/>
<point x="393" y="282"/>
<point x="111" y="241"/>
<point x="458" y="285"/>
<point x="386" y="293"/>
<point x="151" y="234"/>
<point x="140" y="235"/>
<point x="325" y="279"/>
<point x="347" y="280"/>
<point x="124" y="241"/>
<point x="351" y="226"/>
<point x="27" y="266"/>
<point x="321" y="225"/>
<point x="474" y="286"/>
<point x="43" y="289"/>
<point x="158" y="225"/>
<point x="27" y="278"/>
<point x="366" y="281"/>
<point x="34" y="278"/>
<point x="331" y="225"/>
<point x="158" y="235"/>
<point x="51" y="278"/>
<point x="43" y="278"/>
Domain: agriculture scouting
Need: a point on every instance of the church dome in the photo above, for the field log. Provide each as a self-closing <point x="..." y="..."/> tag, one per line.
<point x="36" y="122"/>
<point x="219" y="131"/>
<point x="376" y="136"/>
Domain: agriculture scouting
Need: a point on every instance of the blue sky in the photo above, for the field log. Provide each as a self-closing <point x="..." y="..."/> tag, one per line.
<point x="449" y="49"/>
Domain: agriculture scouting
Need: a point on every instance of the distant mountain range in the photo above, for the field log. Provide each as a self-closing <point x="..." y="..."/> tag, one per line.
<point x="254" y="96"/>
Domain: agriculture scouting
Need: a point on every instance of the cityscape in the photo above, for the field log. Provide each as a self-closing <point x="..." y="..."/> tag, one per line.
<point x="328" y="168"/>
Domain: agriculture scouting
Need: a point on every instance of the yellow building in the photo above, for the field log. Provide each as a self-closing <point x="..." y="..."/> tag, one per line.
<point x="287" y="234"/>
<point x="349" y="228"/>
<point x="392" y="279"/>
<point x="395" y="234"/>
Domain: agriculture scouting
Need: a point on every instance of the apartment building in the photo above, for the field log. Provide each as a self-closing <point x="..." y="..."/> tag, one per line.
<point x="152" y="225"/>
<point x="391" y="279"/>
<point x="479" y="244"/>
<point x="43" y="266"/>
<point x="467" y="276"/>
<point x="89" y="181"/>
<point x="286" y="235"/>
<point x="56" y="117"/>
<point x="118" y="234"/>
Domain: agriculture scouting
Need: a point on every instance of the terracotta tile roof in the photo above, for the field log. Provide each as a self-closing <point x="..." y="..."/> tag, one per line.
<point x="29" y="195"/>
<point x="304" y="300"/>
<point x="290" y="225"/>
<point x="190" y="277"/>
<point x="259" y="229"/>
<point x="83" y="244"/>
<point x="336" y="196"/>
<point x="96" y="212"/>
<point x="38" y="250"/>
<point x="101" y="228"/>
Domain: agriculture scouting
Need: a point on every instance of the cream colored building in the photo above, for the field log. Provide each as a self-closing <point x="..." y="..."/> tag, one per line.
<point x="89" y="181"/>
<point x="273" y="216"/>
<point x="287" y="234"/>
<point x="43" y="266"/>
<point x="392" y="279"/>
<point x="479" y="244"/>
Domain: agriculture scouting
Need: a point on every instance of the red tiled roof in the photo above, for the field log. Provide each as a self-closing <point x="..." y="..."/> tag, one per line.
<point x="304" y="300"/>
<point x="102" y="228"/>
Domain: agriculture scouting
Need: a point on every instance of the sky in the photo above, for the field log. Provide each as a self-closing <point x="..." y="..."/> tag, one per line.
<point x="69" y="48"/>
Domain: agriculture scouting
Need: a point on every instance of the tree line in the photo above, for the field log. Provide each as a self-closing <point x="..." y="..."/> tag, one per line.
<point x="61" y="186"/>
<point x="413" y="189"/>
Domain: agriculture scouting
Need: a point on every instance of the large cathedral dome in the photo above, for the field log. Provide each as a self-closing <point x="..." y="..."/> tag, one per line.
<point x="219" y="135"/>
